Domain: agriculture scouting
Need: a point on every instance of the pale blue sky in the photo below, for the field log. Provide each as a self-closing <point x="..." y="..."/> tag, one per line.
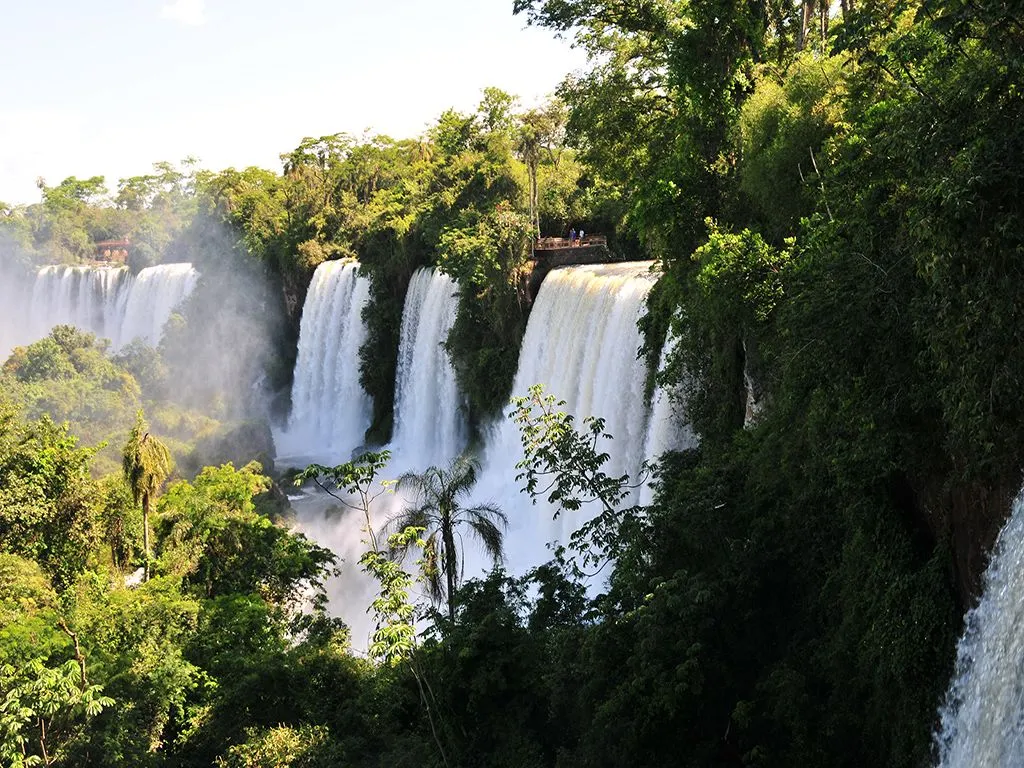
<point x="111" y="86"/>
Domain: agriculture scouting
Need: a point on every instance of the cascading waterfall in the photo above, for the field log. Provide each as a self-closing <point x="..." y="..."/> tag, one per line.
<point x="982" y="721"/>
<point x="330" y="409"/>
<point x="151" y="299"/>
<point x="669" y="428"/>
<point x="429" y="427"/>
<point x="581" y="343"/>
<point x="108" y="301"/>
<point x="90" y="298"/>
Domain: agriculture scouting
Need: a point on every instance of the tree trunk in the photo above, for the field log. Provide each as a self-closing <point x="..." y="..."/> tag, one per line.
<point x="805" y="23"/>
<point x="450" y="561"/>
<point x="145" y="534"/>
<point x="534" y="202"/>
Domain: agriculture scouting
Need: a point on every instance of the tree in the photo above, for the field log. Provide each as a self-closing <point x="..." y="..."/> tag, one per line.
<point x="146" y="464"/>
<point x="439" y="513"/>
<point x="539" y="130"/>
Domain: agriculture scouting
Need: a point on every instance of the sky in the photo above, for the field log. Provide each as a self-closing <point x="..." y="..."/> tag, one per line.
<point x="109" y="87"/>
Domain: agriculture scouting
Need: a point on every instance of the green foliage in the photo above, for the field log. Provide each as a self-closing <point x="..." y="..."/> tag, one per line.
<point x="281" y="747"/>
<point x="46" y="496"/>
<point x="394" y="638"/>
<point x="44" y="707"/>
<point x="438" y="513"/>
<point x="213" y="537"/>
<point x="784" y="127"/>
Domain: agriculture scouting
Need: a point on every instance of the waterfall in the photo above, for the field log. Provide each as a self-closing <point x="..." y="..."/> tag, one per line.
<point x="982" y="721"/>
<point x="87" y="297"/>
<point x="429" y="428"/>
<point x="153" y="295"/>
<point x="669" y="428"/>
<point x="581" y="343"/>
<point x="107" y="301"/>
<point x="330" y="409"/>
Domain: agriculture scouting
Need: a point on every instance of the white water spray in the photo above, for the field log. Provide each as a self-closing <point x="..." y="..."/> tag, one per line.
<point x="107" y="301"/>
<point x="153" y="295"/>
<point x="982" y="721"/>
<point x="430" y="428"/>
<point x="581" y="343"/>
<point x="330" y="409"/>
<point x="669" y="428"/>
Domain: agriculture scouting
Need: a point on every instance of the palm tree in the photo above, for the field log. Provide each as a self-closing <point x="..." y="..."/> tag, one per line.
<point x="439" y="512"/>
<point x="146" y="463"/>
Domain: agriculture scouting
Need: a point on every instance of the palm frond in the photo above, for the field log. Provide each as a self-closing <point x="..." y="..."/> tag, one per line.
<point x="489" y="535"/>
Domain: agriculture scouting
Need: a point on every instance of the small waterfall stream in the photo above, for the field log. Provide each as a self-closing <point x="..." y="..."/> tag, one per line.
<point x="669" y="428"/>
<point x="982" y="721"/>
<point x="429" y="427"/>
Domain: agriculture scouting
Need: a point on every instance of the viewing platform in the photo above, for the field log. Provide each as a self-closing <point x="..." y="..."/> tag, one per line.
<point x="112" y="251"/>
<point x="551" y="252"/>
<point x="548" y="245"/>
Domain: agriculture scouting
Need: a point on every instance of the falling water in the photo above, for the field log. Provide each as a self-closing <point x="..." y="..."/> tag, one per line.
<point x="982" y="721"/>
<point x="90" y="298"/>
<point x="330" y="409"/>
<point x="108" y="301"/>
<point x="153" y="295"/>
<point x="581" y="343"/>
<point x="669" y="428"/>
<point x="429" y="427"/>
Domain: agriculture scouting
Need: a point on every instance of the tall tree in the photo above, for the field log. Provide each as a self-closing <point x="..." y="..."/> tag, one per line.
<point x="439" y="512"/>
<point x="146" y="463"/>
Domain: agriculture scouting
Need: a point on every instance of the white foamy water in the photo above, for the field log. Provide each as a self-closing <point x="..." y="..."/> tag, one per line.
<point x="330" y="409"/>
<point x="982" y="721"/>
<point x="581" y="343"/>
<point x="669" y="428"/>
<point x="430" y="428"/>
<point x="152" y="296"/>
<point x="107" y="301"/>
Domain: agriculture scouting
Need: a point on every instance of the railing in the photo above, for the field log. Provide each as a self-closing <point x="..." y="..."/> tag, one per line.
<point x="555" y="243"/>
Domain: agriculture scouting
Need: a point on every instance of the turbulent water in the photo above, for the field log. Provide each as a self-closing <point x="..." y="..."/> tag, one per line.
<point x="581" y="343"/>
<point x="330" y="409"/>
<point x="107" y="301"/>
<point x="982" y="721"/>
<point x="430" y="427"/>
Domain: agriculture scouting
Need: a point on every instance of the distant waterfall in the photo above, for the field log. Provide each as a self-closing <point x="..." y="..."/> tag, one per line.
<point x="581" y="343"/>
<point x="108" y="301"/>
<point x="982" y="721"/>
<point x="153" y="295"/>
<point x="330" y="409"/>
<point x="90" y="298"/>
<point x="429" y="428"/>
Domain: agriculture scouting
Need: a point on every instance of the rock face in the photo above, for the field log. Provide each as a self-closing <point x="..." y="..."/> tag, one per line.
<point x="971" y="518"/>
